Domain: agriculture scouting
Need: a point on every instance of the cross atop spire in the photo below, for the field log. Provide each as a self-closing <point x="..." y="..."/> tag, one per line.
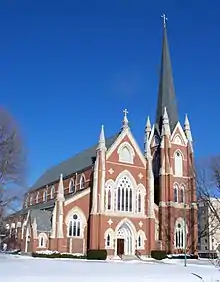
<point x="125" y="120"/>
<point x="166" y="92"/>
<point x="164" y="19"/>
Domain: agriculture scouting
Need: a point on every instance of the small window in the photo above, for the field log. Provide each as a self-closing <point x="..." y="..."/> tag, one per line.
<point x="177" y="140"/>
<point x="71" y="186"/>
<point x="52" y="192"/>
<point x="42" y="241"/>
<point x="37" y="198"/>
<point x="82" y="182"/>
<point x="108" y="241"/>
<point x="45" y="196"/>
<point x="178" y="164"/>
<point x="31" y="200"/>
<point x="126" y="153"/>
<point x="175" y="191"/>
<point x="75" y="226"/>
<point x="140" y="242"/>
<point x="182" y="200"/>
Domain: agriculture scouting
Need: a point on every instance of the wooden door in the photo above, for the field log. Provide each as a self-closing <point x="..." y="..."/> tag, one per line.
<point x="120" y="247"/>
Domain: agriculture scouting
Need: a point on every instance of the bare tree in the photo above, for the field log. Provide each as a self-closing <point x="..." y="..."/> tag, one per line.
<point x="208" y="189"/>
<point x="12" y="166"/>
<point x="189" y="214"/>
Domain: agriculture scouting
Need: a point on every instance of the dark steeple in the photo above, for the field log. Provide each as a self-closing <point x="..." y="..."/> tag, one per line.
<point x="166" y="94"/>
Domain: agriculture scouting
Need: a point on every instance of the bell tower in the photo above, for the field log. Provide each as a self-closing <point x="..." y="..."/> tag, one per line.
<point x="173" y="158"/>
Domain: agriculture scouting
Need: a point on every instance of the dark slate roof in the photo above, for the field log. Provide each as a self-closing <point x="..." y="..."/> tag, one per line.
<point x="76" y="163"/>
<point x="43" y="206"/>
<point x="166" y="93"/>
<point x="43" y="219"/>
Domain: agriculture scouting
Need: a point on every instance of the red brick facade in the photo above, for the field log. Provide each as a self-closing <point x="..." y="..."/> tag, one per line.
<point x="126" y="201"/>
<point x="99" y="213"/>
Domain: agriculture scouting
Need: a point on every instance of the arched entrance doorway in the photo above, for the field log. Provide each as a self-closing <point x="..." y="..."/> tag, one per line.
<point x="125" y="240"/>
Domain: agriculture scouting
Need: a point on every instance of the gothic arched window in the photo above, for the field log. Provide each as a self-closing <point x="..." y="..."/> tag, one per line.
<point x="175" y="192"/>
<point x="45" y="196"/>
<point x="178" y="164"/>
<point x="126" y="153"/>
<point x="182" y="195"/>
<point x="180" y="236"/>
<point x="108" y="197"/>
<point x="75" y="226"/>
<point x="108" y="240"/>
<point x="42" y="240"/>
<point x="37" y="198"/>
<point x="71" y="186"/>
<point x="109" y="236"/>
<point x="82" y="182"/>
<point x="140" y="197"/>
<point x="140" y="240"/>
<point x="124" y="194"/>
<point x="52" y="192"/>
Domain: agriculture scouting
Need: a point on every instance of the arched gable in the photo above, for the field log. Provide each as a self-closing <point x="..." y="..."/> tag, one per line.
<point x="127" y="222"/>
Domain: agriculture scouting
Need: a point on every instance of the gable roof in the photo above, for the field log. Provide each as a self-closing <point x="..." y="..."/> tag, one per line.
<point x="43" y="219"/>
<point x="76" y="163"/>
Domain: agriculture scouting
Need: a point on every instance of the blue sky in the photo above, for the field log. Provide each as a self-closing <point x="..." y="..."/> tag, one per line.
<point x="66" y="67"/>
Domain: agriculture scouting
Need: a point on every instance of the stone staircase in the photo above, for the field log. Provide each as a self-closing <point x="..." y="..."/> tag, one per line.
<point x="127" y="257"/>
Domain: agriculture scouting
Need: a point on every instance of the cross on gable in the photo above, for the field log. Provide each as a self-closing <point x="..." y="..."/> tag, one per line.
<point x="125" y="112"/>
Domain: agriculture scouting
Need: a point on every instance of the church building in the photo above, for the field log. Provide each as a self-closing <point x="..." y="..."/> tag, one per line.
<point x="115" y="196"/>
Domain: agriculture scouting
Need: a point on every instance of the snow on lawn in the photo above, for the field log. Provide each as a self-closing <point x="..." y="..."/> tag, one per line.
<point x="24" y="269"/>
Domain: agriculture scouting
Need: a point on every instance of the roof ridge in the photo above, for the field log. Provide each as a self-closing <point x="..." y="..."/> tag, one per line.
<point x="82" y="159"/>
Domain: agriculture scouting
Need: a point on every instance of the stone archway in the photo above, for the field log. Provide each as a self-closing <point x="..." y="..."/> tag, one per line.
<point x="125" y="239"/>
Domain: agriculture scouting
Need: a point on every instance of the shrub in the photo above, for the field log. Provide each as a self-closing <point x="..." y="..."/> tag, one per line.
<point x="57" y="255"/>
<point x="97" y="254"/>
<point x="158" y="255"/>
<point x="182" y="256"/>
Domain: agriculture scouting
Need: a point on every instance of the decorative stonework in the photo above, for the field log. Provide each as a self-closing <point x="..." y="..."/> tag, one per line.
<point x="140" y="175"/>
<point x="140" y="224"/>
<point x="110" y="222"/>
<point x="111" y="171"/>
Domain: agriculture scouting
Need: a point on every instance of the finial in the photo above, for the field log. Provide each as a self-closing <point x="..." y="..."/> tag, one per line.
<point x="60" y="194"/>
<point x="166" y="123"/>
<point x="186" y="124"/>
<point x="187" y="129"/>
<point x="148" y="127"/>
<point x="101" y="144"/>
<point x="165" y="115"/>
<point x="125" y="120"/>
<point x="164" y="19"/>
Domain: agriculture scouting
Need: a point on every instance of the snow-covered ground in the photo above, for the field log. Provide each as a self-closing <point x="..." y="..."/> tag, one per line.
<point x="24" y="269"/>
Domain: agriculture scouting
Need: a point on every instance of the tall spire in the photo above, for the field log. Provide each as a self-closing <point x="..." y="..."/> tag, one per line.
<point x="166" y="93"/>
